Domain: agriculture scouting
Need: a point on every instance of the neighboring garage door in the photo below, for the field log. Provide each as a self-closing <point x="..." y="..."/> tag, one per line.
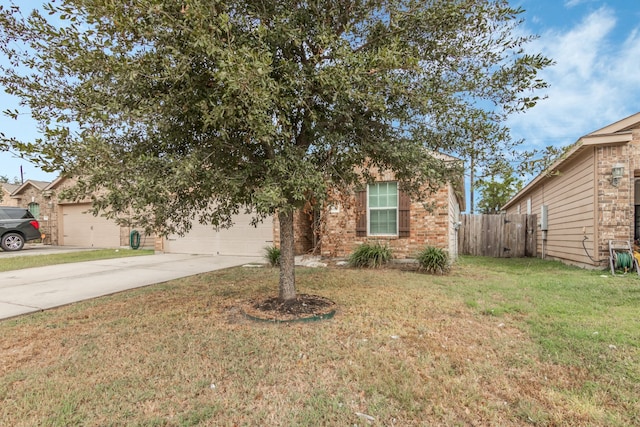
<point x="241" y="239"/>
<point x="86" y="230"/>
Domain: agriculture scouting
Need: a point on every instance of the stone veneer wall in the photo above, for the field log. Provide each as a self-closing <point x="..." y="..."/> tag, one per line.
<point x="48" y="211"/>
<point x="616" y="204"/>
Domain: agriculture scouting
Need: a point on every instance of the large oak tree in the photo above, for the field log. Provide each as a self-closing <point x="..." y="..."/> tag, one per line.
<point x="179" y="110"/>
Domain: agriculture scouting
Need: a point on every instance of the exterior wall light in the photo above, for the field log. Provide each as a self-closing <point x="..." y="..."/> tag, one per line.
<point x="617" y="171"/>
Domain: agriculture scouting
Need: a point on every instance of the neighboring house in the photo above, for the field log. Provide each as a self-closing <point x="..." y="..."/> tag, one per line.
<point x="5" y="192"/>
<point x="72" y="225"/>
<point x="382" y="213"/>
<point x="31" y="195"/>
<point x="591" y="195"/>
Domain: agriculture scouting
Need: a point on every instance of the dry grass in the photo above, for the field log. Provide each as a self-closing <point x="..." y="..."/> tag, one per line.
<point x="404" y="349"/>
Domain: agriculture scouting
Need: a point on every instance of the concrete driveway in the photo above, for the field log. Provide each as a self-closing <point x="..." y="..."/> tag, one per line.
<point x="36" y="289"/>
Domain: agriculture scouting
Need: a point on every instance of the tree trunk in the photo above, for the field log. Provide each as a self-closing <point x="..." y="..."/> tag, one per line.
<point x="287" y="289"/>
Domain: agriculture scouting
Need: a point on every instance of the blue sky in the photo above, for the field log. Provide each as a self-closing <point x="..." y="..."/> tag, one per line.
<point x="596" y="77"/>
<point x="595" y="81"/>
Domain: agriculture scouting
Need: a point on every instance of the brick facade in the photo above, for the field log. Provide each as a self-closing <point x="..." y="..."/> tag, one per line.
<point x="5" y="194"/>
<point x="33" y="192"/>
<point x="430" y="224"/>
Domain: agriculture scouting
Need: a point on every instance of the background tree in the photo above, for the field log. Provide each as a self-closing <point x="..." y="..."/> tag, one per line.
<point x="5" y="179"/>
<point x="482" y="142"/>
<point x="501" y="180"/>
<point x="537" y="161"/>
<point x="497" y="188"/>
<point x="196" y="109"/>
<point x="490" y="156"/>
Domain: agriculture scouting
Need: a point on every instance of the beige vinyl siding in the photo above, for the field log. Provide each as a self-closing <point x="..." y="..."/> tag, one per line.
<point x="569" y="197"/>
<point x="592" y="212"/>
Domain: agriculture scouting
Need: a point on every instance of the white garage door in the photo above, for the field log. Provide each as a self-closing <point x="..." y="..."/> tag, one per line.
<point x="86" y="230"/>
<point x="241" y="239"/>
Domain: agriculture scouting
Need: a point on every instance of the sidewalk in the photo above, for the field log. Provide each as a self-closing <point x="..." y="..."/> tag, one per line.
<point x="36" y="289"/>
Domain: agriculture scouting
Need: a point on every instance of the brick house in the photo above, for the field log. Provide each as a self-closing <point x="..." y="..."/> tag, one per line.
<point x="378" y="213"/>
<point x="5" y="194"/>
<point x="589" y="196"/>
<point x="382" y="213"/>
<point x="70" y="224"/>
<point x="28" y="195"/>
<point x="31" y="195"/>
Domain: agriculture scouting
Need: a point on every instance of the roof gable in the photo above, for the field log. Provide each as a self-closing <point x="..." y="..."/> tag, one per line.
<point x="615" y="133"/>
<point x="10" y="188"/>
<point x="623" y="125"/>
<point x="39" y="185"/>
<point x="56" y="183"/>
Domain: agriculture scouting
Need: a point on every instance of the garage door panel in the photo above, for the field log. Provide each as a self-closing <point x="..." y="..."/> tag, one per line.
<point x="83" y="229"/>
<point x="241" y="239"/>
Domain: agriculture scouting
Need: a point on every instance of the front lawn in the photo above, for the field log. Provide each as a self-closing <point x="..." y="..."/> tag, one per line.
<point x="30" y="261"/>
<point x="495" y="342"/>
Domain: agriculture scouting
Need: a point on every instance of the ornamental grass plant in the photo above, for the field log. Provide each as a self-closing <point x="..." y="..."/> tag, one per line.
<point x="434" y="260"/>
<point x="370" y="255"/>
<point x="272" y="256"/>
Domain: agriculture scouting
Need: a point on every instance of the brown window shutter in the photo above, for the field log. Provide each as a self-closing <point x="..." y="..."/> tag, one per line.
<point x="404" y="217"/>
<point x="361" y="213"/>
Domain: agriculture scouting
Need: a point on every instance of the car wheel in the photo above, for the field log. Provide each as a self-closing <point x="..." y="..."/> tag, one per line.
<point x="12" y="242"/>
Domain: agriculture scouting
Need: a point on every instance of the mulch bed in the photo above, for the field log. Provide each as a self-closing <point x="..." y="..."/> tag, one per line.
<point x="303" y="307"/>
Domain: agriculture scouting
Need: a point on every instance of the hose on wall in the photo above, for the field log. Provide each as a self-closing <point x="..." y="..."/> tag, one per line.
<point x="134" y="239"/>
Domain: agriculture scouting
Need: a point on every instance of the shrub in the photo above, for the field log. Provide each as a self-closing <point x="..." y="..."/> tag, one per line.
<point x="272" y="255"/>
<point x="434" y="260"/>
<point x="370" y="256"/>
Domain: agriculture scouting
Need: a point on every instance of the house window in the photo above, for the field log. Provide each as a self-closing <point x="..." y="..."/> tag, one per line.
<point x="383" y="208"/>
<point x="34" y="208"/>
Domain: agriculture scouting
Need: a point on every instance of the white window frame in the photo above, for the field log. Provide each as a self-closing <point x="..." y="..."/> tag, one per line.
<point x="397" y="207"/>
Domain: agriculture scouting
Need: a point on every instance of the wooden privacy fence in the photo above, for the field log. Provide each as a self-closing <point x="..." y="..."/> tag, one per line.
<point x="498" y="236"/>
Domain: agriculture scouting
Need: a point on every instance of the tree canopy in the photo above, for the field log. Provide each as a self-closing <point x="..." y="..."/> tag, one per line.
<point x="500" y="184"/>
<point x="182" y="110"/>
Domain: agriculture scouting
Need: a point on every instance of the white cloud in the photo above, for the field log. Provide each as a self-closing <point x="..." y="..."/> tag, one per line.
<point x="627" y="65"/>
<point x="593" y="83"/>
<point x="574" y="3"/>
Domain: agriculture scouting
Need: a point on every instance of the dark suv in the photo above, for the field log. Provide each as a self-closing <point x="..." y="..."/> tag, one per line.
<point x="17" y="226"/>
